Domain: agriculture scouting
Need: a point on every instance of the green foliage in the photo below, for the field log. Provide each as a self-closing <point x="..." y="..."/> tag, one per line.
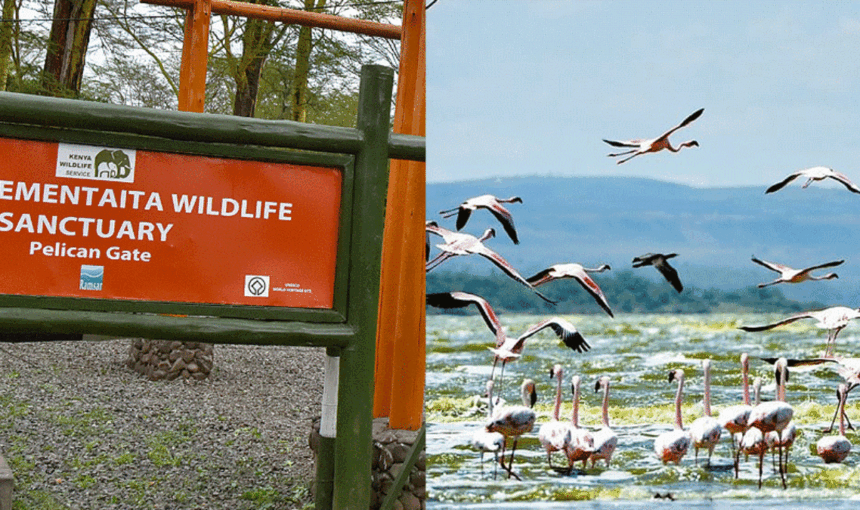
<point x="625" y="291"/>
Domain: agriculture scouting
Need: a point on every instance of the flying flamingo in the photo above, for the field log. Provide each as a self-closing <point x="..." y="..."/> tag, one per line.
<point x="508" y="348"/>
<point x="605" y="439"/>
<point x="753" y="441"/>
<point x="554" y="435"/>
<point x="484" y="441"/>
<point x="640" y="146"/>
<point x="464" y="244"/>
<point x="490" y="203"/>
<point x="659" y="261"/>
<point x="514" y="421"/>
<point x="791" y="275"/>
<point x="706" y="430"/>
<point x="834" y="449"/>
<point x="580" y="273"/>
<point x="673" y="445"/>
<point x="581" y="442"/>
<point x="834" y="319"/>
<point x="734" y="418"/>
<point x="816" y="173"/>
<point x="774" y="415"/>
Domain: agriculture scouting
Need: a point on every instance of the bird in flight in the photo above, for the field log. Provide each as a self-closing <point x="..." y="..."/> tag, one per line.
<point x="644" y="146"/>
<point x="659" y="261"/>
<point x="816" y="173"/>
<point x="490" y="203"/>
<point x="791" y="275"/>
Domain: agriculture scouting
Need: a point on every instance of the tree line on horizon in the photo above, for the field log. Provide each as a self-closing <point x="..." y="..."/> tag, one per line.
<point x="625" y="291"/>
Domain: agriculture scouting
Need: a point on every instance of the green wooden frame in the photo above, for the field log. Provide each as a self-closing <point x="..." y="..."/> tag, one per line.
<point x="348" y="330"/>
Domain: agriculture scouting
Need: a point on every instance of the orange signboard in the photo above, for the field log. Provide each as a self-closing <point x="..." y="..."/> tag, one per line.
<point x="108" y="223"/>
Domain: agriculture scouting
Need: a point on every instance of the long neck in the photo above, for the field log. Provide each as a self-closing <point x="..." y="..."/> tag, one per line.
<point x="557" y="397"/>
<point x="780" y="388"/>
<point x="574" y="417"/>
<point x="490" y="398"/>
<point x="606" y="404"/>
<point x="746" y="382"/>
<point x="678" y="424"/>
<point x="707" y="402"/>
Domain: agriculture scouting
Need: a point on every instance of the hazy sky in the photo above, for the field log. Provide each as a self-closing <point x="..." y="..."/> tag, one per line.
<point x="531" y="87"/>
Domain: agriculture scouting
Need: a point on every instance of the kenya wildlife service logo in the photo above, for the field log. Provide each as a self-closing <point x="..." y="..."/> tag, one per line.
<point x="98" y="163"/>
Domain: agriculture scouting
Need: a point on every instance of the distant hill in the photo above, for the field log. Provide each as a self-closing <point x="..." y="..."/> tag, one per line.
<point x="593" y="220"/>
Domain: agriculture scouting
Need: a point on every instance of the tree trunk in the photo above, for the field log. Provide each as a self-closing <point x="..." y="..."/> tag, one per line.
<point x="67" y="47"/>
<point x="299" y="87"/>
<point x="257" y="43"/>
<point x="6" y="41"/>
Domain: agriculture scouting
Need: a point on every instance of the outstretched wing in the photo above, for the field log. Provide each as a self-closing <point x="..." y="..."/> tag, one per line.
<point x="845" y="181"/>
<point x="506" y="219"/>
<point x="626" y="143"/>
<point x="592" y="288"/>
<point x="563" y="329"/>
<point x="781" y="184"/>
<point x="670" y="274"/>
<point x="779" y="268"/>
<point x="693" y="116"/>
<point x="783" y="322"/>
<point x="462" y="299"/>
<point x="505" y="266"/>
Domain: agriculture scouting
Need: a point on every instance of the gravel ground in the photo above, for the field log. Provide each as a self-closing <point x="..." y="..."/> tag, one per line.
<point x="80" y="430"/>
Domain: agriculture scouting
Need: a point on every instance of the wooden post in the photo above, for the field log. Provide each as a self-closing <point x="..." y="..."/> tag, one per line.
<point x="400" y="361"/>
<point x="195" y="57"/>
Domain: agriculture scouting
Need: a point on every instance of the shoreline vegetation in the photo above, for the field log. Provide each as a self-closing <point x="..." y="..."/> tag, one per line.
<point x="625" y="291"/>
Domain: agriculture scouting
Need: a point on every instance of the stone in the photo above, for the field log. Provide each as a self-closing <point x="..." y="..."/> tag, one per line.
<point x="399" y="451"/>
<point x="409" y="501"/>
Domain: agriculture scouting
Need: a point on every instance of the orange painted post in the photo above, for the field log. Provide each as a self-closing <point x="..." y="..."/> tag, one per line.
<point x="195" y="57"/>
<point x="305" y="18"/>
<point x="400" y="355"/>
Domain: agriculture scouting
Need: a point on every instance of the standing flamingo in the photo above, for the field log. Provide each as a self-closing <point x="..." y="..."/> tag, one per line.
<point x="775" y="415"/>
<point x="641" y="146"/>
<point x="514" y="421"/>
<point x="659" y="261"/>
<point x="580" y="273"/>
<point x="833" y="319"/>
<point x="605" y="439"/>
<point x="554" y="435"/>
<point x="753" y="441"/>
<point x="706" y="430"/>
<point x="457" y="243"/>
<point x="485" y="441"/>
<point x="508" y="348"/>
<point x="791" y="275"/>
<point x="816" y="173"/>
<point x="834" y="449"/>
<point x="734" y="418"/>
<point x="673" y="445"/>
<point x="581" y="443"/>
<point x="490" y="203"/>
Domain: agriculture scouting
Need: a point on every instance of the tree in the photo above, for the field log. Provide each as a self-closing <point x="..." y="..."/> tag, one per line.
<point x="67" y="47"/>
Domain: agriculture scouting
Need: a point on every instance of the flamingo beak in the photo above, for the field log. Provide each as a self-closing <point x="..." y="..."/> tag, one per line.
<point x="597" y="385"/>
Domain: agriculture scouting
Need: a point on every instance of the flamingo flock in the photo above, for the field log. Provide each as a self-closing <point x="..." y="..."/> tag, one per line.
<point x="752" y="428"/>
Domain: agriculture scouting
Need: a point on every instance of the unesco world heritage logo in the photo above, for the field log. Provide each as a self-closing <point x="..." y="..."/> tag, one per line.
<point x="256" y="285"/>
<point x="92" y="277"/>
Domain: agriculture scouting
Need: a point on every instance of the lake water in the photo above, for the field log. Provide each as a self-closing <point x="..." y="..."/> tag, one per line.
<point x="637" y="352"/>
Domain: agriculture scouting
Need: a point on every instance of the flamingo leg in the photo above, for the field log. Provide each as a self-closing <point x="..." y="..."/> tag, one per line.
<point x="781" y="470"/>
<point x="630" y="157"/>
<point x="760" y="462"/>
<point x="438" y="259"/>
<point x="511" y="461"/>
<point x="616" y="154"/>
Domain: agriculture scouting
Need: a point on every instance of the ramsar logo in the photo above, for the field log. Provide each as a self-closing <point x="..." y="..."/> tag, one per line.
<point x="256" y="285"/>
<point x="92" y="277"/>
<point x="99" y="163"/>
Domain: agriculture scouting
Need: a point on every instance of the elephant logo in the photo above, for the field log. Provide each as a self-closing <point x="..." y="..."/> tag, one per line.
<point x="112" y="164"/>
